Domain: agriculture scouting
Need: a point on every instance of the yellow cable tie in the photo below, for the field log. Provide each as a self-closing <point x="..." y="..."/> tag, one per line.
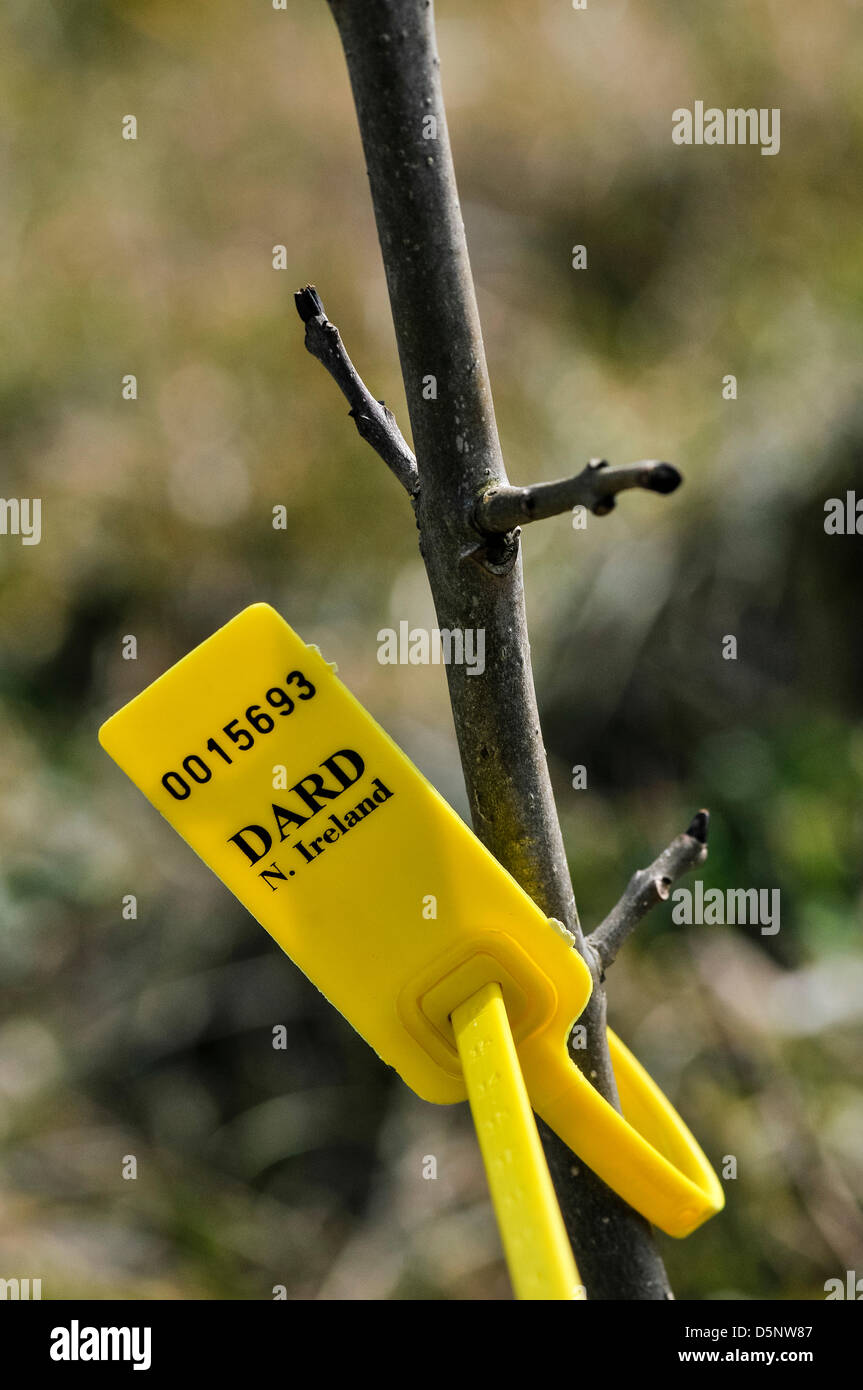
<point x="538" y="1253"/>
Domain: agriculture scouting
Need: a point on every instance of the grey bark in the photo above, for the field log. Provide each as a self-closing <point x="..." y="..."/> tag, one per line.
<point x="475" y="571"/>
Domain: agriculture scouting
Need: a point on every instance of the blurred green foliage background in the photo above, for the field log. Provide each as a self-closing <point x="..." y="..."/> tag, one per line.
<point x="153" y="1037"/>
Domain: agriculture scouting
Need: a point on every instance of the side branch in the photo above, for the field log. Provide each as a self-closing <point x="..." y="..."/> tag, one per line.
<point x="501" y="509"/>
<point x="647" y="887"/>
<point x="375" y="423"/>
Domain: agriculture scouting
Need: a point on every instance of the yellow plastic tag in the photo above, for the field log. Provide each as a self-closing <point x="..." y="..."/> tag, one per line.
<point x="288" y="789"/>
<point x="277" y="777"/>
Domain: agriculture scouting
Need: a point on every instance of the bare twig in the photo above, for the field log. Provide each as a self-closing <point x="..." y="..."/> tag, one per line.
<point x="375" y="422"/>
<point x="647" y="887"/>
<point x="395" y="76"/>
<point x="501" y="509"/>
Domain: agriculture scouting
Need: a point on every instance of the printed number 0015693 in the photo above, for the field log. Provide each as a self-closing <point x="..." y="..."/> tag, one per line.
<point x="263" y="723"/>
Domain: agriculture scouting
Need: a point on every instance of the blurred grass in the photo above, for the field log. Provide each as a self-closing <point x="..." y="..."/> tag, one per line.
<point x="303" y="1167"/>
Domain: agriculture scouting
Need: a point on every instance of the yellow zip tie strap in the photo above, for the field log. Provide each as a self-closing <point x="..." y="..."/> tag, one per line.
<point x="535" y="1243"/>
<point x="647" y="1154"/>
